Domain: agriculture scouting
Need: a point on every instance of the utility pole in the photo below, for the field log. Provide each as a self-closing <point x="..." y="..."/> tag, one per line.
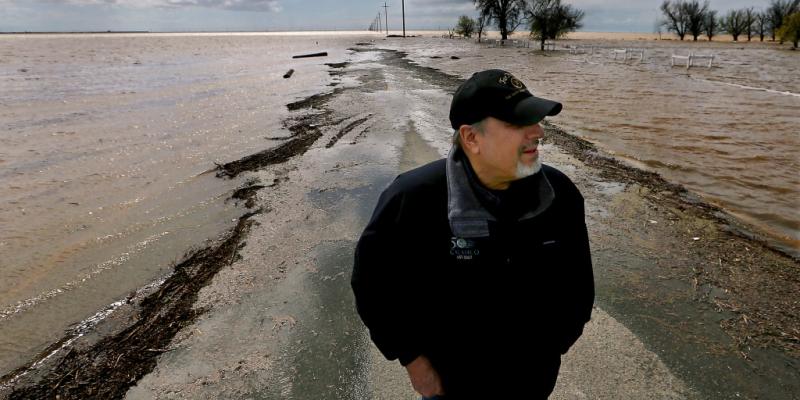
<point x="386" y="15"/>
<point x="380" y="28"/>
<point x="404" y="17"/>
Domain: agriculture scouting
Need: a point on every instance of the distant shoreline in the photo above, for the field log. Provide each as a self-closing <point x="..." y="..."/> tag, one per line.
<point x="69" y="32"/>
<point x="579" y="35"/>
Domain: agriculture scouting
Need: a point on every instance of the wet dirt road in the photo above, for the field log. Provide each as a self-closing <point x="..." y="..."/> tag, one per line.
<point x="282" y="322"/>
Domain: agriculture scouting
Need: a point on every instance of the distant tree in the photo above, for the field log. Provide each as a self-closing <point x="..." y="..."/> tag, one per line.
<point x="480" y="25"/>
<point x="695" y="16"/>
<point x="465" y="26"/>
<point x="790" y="30"/>
<point x="749" y="21"/>
<point x="711" y="24"/>
<point x="506" y="14"/>
<point x="778" y="10"/>
<point x="761" y="25"/>
<point x="657" y="27"/>
<point x="675" y="19"/>
<point x="550" y="19"/>
<point x="733" y="23"/>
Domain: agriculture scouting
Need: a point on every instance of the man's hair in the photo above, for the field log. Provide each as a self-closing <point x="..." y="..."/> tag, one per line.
<point x="478" y="126"/>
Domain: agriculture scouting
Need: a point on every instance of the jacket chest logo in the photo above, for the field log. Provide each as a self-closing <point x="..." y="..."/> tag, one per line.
<point x="463" y="249"/>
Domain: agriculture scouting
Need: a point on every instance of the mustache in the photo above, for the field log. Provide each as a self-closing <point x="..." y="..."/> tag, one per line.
<point x="533" y="145"/>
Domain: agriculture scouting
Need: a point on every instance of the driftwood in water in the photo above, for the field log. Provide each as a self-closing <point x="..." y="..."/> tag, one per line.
<point x="323" y="54"/>
<point x="288" y="74"/>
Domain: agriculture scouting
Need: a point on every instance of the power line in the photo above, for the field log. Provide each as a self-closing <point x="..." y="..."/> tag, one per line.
<point x="386" y="15"/>
<point x="404" y="18"/>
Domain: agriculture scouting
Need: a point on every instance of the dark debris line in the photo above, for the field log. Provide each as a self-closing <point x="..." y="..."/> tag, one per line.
<point x="346" y="130"/>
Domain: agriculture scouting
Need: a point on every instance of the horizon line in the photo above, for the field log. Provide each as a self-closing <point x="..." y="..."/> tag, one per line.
<point x="269" y="31"/>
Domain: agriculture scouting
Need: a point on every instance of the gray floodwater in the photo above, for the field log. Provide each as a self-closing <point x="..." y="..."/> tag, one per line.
<point x="106" y="142"/>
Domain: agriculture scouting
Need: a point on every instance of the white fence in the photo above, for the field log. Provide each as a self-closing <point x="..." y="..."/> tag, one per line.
<point x="628" y="54"/>
<point x="582" y="49"/>
<point x="509" y="43"/>
<point x="692" y="57"/>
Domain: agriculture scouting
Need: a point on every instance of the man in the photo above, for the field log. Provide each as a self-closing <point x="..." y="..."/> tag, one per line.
<point x="474" y="271"/>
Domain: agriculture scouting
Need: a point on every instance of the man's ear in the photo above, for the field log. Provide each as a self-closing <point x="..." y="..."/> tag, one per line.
<point x="469" y="139"/>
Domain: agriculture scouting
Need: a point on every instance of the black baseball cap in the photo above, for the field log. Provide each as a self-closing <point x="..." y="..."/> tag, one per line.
<point x="497" y="93"/>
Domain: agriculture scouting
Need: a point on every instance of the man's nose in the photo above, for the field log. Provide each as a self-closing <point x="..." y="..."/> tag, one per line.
<point x="534" y="131"/>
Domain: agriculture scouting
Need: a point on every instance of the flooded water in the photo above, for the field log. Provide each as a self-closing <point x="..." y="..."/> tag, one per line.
<point x="105" y="141"/>
<point x="729" y="133"/>
<point x="105" y="144"/>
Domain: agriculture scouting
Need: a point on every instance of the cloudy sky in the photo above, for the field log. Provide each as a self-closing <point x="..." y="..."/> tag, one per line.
<point x="282" y="15"/>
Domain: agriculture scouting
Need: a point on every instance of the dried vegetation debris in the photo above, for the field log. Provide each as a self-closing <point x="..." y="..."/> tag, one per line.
<point x="345" y="130"/>
<point x="400" y="59"/>
<point x="248" y="192"/>
<point x="275" y="155"/>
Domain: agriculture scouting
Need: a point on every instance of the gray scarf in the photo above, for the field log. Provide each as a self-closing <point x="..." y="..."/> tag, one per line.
<point x="468" y="217"/>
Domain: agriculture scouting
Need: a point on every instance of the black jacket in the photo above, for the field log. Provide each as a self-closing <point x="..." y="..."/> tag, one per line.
<point x="493" y="305"/>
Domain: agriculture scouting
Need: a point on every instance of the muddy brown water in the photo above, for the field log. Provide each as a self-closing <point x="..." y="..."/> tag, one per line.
<point x="107" y="146"/>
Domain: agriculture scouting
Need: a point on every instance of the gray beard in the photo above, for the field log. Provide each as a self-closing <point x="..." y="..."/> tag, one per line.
<point x="524" y="171"/>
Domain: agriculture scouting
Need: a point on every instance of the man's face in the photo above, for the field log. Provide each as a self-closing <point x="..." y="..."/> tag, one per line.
<point x="508" y="151"/>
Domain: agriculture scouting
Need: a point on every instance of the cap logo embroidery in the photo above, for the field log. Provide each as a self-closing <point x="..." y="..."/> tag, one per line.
<point x="508" y="78"/>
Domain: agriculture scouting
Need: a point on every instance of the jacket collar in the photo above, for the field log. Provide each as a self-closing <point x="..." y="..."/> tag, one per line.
<point x="468" y="217"/>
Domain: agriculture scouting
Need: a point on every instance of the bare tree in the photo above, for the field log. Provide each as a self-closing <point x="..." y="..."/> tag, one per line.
<point x="778" y="10"/>
<point x="480" y="25"/>
<point x="711" y="24"/>
<point x="749" y="20"/>
<point x="761" y="25"/>
<point x="507" y="14"/>
<point x="550" y="19"/>
<point x="657" y="27"/>
<point x="675" y="18"/>
<point x="465" y="26"/>
<point x="733" y="23"/>
<point x="695" y="16"/>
